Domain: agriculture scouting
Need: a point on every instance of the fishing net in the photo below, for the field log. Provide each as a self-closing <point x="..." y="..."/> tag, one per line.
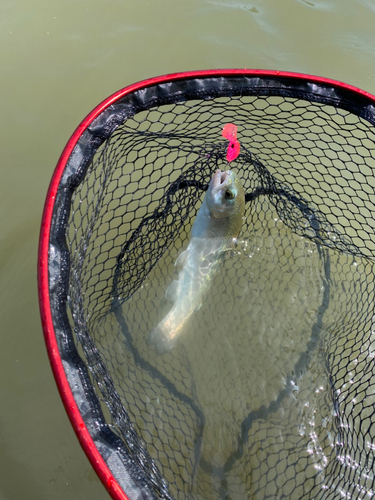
<point x="270" y="392"/>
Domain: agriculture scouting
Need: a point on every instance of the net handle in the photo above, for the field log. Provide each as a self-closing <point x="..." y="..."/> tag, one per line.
<point x="70" y="405"/>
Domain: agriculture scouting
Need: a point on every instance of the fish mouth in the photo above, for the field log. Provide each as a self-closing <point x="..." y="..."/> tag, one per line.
<point x="220" y="179"/>
<point x="217" y="199"/>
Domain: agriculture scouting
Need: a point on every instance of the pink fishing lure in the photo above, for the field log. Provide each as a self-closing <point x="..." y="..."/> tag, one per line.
<point x="230" y="133"/>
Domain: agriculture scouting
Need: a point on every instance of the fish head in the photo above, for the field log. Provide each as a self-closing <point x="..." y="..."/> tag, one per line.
<point x="225" y="196"/>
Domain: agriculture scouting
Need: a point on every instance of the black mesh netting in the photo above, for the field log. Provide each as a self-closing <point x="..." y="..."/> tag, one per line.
<point x="270" y="393"/>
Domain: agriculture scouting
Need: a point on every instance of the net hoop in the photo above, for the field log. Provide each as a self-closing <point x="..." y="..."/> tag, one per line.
<point x="44" y="287"/>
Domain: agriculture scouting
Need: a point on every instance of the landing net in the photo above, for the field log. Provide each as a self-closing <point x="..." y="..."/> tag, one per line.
<point x="271" y="391"/>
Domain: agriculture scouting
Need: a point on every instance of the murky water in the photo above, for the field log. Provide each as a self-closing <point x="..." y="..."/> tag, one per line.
<point x="241" y="350"/>
<point x="58" y="60"/>
<point x="254" y="373"/>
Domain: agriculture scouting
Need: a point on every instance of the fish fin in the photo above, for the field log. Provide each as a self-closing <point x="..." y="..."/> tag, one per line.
<point x="161" y="340"/>
<point x="181" y="259"/>
<point x="198" y="306"/>
<point x="171" y="292"/>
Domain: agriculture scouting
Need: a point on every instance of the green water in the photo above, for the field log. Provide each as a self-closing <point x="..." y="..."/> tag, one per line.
<point x="60" y="59"/>
<point x="253" y="357"/>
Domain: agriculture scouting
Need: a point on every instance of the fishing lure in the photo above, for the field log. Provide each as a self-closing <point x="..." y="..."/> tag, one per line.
<point x="230" y="132"/>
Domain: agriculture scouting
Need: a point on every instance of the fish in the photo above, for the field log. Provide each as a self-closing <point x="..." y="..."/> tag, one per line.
<point x="214" y="231"/>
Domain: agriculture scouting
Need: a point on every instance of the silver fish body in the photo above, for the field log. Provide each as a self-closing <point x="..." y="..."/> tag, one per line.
<point x="215" y="230"/>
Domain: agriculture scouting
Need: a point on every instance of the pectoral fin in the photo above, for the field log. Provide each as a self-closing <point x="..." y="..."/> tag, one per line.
<point x="171" y="293"/>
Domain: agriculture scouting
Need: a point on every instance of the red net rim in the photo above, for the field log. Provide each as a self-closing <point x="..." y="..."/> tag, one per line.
<point x="64" y="388"/>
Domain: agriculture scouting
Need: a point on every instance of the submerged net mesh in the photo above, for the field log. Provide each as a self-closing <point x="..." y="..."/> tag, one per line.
<point x="270" y="393"/>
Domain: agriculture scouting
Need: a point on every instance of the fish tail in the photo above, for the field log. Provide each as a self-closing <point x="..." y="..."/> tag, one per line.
<point x="161" y="338"/>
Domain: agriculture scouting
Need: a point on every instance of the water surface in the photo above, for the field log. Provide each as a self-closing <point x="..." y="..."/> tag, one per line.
<point x="58" y="60"/>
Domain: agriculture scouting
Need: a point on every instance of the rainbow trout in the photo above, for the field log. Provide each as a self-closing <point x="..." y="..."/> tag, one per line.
<point x="214" y="231"/>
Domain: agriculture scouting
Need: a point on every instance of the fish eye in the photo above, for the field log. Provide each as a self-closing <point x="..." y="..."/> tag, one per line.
<point x="229" y="194"/>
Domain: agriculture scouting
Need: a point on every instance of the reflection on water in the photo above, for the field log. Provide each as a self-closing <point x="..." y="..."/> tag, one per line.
<point x="247" y="405"/>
